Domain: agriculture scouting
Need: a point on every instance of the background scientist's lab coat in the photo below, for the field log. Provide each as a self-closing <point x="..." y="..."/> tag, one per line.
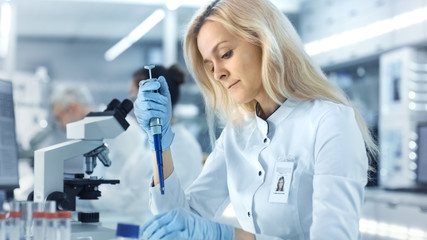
<point x="131" y="157"/>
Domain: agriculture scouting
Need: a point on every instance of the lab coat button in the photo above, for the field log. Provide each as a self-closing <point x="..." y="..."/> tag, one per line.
<point x="259" y="173"/>
<point x="265" y="140"/>
<point x="249" y="214"/>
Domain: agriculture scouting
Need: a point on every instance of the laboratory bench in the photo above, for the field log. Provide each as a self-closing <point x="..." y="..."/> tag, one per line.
<point x="394" y="214"/>
<point x="386" y="215"/>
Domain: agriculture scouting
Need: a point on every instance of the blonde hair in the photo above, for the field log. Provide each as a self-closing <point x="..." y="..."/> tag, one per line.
<point x="287" y="71"/>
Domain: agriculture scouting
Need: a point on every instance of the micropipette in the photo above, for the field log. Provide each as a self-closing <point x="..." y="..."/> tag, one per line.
<point x="156" y="130"/>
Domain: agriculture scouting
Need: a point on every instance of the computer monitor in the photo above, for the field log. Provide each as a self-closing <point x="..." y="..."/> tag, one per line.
<point x="9" y="178"/>
<point x="422" y="154"/>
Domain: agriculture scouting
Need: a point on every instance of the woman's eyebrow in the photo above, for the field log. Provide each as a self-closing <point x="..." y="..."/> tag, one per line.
<point x="214" y="49"/>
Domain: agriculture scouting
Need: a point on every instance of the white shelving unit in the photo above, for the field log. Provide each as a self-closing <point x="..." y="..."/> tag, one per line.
<point x="403" y="104"/>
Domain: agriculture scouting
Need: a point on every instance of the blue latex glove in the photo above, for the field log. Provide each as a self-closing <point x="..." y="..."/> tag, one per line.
<point x="151" y="104"/>
<point x="181" y="224"/>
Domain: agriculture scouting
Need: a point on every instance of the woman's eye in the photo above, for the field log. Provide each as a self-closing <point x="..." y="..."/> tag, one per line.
<point x="227" y="54"/>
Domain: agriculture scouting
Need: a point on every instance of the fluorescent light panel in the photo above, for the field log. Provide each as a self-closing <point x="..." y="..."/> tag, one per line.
<point x="367" y="32"/>
<point x="145" y="26"/>
<point x="173" y="4"/>
<point x="135" y="35"/>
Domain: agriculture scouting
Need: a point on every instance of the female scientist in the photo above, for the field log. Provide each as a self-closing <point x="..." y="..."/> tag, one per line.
<point x="283" y="119"/>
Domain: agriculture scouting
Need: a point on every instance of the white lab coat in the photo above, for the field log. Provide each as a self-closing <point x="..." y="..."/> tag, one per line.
<point x="186" y="148"/>
<point x="131" y="164"/>
<point x="323" y="141"/>
<point x="131" y="158"/>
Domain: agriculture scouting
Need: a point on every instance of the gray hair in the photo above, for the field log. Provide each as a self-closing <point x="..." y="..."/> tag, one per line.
<point x="66" y="93"/>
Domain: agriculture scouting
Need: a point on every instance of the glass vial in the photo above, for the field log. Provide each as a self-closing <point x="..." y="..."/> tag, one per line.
<point x="52" y="232"/>
<point x="2" y="226"/>
<point x="39" y="225"/>
<point x="26" y="219"/>
<point x="64" y="225"/>
<point x="14" y="221"/>
<point x="39" y="221"/>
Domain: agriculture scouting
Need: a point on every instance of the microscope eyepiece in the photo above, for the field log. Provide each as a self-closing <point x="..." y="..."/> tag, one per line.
<point x="125" y="107"/>
<point x="112" y="105"/>
<point x="118" y="110"/>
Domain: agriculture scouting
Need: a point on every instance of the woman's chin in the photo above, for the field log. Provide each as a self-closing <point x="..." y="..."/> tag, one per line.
<point x="240" y="99"/>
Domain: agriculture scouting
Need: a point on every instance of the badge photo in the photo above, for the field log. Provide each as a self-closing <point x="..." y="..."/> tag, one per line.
<point x="280" y="184"/>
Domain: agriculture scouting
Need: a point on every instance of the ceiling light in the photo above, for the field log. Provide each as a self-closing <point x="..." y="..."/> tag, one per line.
<point x="135" y="35"/>
<point x="173" y="4"/>
<point x="366" y="32"/>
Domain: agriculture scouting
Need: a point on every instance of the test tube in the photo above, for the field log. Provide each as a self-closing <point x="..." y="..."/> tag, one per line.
<point x="14" y="221"/>
<point x="27" y="218"/>
<point x="39" y="221"/>
<point x="51" y="221"/>
<point x="2" y="226"/>
<point x="64" y="225"/>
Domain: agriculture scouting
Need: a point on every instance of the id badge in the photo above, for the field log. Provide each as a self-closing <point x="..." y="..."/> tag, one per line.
<point x="280" y="185"/>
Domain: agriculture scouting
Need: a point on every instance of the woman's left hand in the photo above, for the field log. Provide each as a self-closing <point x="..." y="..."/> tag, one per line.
<point x="181" y="224"/>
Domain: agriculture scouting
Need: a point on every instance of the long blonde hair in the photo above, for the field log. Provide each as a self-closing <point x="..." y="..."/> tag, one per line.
<point x="287" y="70"/>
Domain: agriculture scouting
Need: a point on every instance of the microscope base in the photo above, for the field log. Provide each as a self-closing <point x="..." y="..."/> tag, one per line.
<point x="91" y="231"/>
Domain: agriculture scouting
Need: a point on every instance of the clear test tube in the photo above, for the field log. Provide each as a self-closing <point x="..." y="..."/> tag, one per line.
<point x="2" y="226"/>
<point x="26" y="218"/>
<point x="14" y="221"/>
<point x="39" y="221"/>
<point x="64" y="225"/>
<point x="39" y="225"/>
<point x="52" y="232"/>
<point x="50" y="206"/>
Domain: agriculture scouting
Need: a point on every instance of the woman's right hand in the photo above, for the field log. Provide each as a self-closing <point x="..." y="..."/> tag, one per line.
<point x="154" y="101"/>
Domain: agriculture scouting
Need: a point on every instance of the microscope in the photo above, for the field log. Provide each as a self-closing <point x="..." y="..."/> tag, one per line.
<point x="86" y="140"/>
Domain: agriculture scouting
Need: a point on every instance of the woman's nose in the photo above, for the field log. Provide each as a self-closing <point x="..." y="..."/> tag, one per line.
<point x="220" y="73"/>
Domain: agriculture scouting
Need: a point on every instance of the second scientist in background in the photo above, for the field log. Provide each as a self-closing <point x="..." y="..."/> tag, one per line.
<point x="128" y="201"/>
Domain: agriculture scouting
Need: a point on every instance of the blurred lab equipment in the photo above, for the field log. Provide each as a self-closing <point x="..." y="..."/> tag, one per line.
<point x="402" y="113"/>
<point x="9" y="177"/>
<point x="32" y="105"/>
<point x="35" y="221"/>
<point x="421" y="150"/>
<point x="2" y="226"/>
<point x="14" y="221"/>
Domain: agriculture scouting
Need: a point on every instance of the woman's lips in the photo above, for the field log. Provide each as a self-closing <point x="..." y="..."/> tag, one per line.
<point x="233" y="84"/>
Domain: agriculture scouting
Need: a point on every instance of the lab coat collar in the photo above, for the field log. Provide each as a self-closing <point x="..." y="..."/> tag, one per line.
<point x="277" y="116"/>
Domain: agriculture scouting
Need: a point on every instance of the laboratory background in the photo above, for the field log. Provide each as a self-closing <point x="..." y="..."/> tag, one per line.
<point x="375" y="50"/>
